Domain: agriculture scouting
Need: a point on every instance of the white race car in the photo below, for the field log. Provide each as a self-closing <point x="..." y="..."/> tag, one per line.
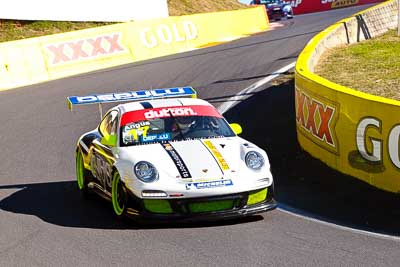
<point x="164" y="156"/>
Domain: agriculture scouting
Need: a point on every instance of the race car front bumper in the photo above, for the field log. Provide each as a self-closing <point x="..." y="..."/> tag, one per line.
<point x="205" y="208"/>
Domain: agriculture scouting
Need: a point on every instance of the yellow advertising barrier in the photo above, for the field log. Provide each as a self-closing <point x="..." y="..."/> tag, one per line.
<point x="21" y="63"/>
<point x="61" y="55"/>
<point x="173" y="35"/>
<point x="353" y="132"/>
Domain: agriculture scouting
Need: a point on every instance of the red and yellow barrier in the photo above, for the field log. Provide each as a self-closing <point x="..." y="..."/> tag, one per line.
<point x="353" y="132"/>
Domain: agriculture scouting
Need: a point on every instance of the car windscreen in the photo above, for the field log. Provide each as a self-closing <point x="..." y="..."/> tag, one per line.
<point x="173" y="123"/>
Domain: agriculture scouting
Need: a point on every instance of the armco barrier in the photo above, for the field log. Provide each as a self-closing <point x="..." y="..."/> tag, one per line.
<point x="310" y="6"/>
<point x="353" y="132"/>
<point x="51" y="57"/>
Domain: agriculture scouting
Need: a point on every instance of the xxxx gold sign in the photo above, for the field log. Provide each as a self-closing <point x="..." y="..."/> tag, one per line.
<point x="316" y="119"/>
<point x="344" y="3"/>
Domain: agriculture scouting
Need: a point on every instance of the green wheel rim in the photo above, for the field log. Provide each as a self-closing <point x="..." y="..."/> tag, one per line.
<point x="117" y="195"/>
<point x="79" y="171"/>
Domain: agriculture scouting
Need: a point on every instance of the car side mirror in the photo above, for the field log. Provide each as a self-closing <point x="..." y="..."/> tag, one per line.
<point x="236" y="128"/>
<point x="109" y="140"/>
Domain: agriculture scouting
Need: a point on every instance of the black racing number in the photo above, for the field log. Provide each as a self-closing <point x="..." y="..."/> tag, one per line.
<point x="101" y="169"/>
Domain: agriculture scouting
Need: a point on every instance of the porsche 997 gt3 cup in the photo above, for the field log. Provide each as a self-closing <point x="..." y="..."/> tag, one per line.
<point x="167" y="155"/>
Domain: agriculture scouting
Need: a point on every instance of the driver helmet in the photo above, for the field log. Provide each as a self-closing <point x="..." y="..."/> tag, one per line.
<point x="183" y="122"/>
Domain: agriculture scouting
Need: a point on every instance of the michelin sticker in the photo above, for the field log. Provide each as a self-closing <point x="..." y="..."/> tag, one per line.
<point x="212" y="184"/>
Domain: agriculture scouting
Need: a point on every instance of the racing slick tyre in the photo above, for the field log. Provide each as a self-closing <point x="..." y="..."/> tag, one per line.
<point x="81" y="174"/>
<point x="119" y="196"/>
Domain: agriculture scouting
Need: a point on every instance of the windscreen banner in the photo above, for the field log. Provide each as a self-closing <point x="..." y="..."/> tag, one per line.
<point x="310" y="6"/>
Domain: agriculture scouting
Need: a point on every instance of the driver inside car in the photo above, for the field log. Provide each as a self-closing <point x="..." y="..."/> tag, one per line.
<point x="183" y="123"/>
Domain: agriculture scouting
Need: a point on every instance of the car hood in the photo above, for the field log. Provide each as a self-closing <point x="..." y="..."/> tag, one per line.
<point x="195" y="168"/>
<point x="190" y="159"/>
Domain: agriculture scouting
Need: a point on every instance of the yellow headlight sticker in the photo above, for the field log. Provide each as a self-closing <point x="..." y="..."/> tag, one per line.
<point x="222" y="162"/>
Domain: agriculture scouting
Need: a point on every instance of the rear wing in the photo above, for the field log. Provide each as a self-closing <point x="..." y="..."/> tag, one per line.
<point x="130" y="96"/>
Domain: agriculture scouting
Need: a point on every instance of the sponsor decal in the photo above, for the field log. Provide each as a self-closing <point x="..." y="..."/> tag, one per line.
<point x="221" y="161"/>
<point x="85" y="48"/>
<point x="133" y="95"/>
<point x="209" y="184"/>
<point x="294" y="3"/>
<point x="156" y="137"/>
<point x="136" y="125"/>
<point x="340" y="3"/>
<point x="176" y="158"/>
<point x="166" y="112"/>
<point x="316" y="118"/>
<point x="344" y="3"/>
<point x="371" y="145"/>
<point x="168" y="33"/>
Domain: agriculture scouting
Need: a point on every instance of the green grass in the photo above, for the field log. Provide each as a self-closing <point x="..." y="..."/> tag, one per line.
<point x="372" y="66"/>
<point x="14" y="30"/>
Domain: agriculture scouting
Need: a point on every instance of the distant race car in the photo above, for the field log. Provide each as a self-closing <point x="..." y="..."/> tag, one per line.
<point x="167" y="157"/>
<point x="276" y="9"/>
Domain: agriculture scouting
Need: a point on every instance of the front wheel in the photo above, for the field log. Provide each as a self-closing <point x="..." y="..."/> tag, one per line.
<point x="118" y="196"/>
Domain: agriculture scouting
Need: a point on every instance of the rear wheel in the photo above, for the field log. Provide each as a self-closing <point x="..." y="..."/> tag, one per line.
<point x="118" y="196"/>
<point x="81" y="174"/>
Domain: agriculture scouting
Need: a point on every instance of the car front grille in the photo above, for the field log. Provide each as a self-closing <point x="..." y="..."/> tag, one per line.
<point x="208" y="204"/>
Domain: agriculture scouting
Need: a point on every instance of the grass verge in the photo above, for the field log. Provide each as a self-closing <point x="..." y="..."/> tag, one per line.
<point x="16" y="29"/>
<point x="372" y="66"/>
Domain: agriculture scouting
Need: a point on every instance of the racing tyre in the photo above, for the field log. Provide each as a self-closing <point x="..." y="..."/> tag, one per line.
<point x="118" y="196"/>
<point x="81" y="174"/>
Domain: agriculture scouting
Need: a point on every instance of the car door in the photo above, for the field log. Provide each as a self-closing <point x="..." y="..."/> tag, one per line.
<point x="101" y="156"/>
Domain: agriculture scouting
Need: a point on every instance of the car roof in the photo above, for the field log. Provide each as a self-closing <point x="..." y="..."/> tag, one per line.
<point x="160" y="103"/>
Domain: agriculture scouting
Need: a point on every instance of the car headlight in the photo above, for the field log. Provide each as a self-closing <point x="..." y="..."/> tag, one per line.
<point x="145" y="171"/>
<point x="254" y="160"/>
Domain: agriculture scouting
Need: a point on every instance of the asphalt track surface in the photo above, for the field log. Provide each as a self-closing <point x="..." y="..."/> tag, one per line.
<point x="45" y="222"/>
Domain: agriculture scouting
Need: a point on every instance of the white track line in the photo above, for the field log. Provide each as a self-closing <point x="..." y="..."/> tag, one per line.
<point x="232" y="101"/>
<point x="300" y="214"/>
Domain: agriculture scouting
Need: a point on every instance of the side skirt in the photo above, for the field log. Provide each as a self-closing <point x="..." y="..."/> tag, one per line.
<point x="98" y="189"/>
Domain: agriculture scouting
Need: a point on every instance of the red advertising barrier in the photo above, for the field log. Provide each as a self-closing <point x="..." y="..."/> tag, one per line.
<point x="310" y="6"/>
